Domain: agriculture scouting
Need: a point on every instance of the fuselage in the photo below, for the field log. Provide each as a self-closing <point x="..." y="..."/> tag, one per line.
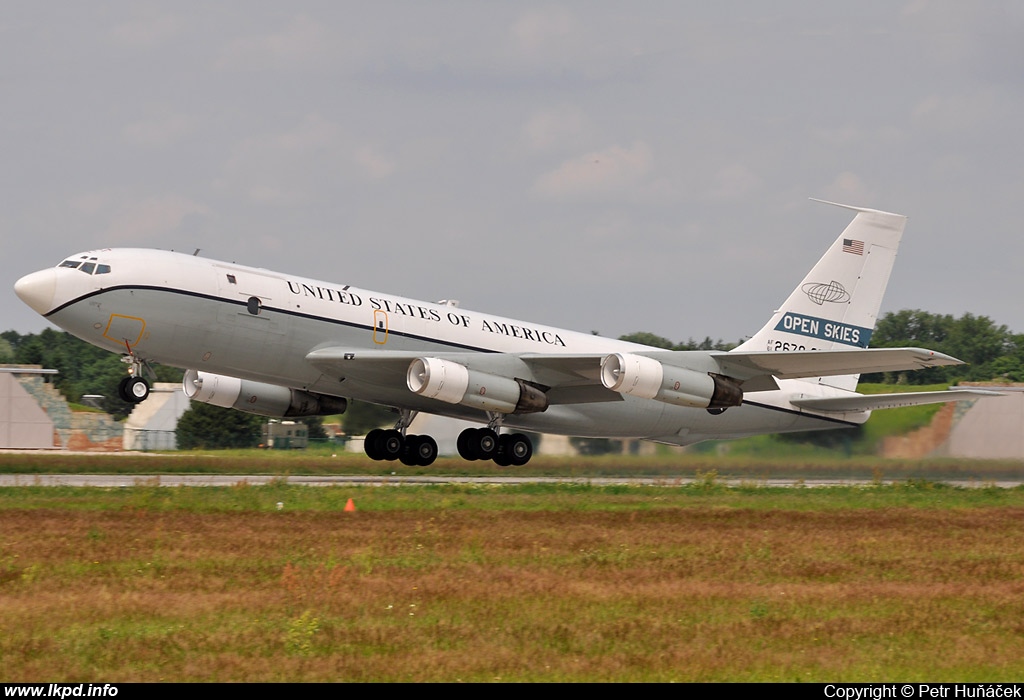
<point x="195" y="313"/>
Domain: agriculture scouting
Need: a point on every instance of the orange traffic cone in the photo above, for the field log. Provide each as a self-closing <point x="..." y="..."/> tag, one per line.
<point x="350" y="507"/>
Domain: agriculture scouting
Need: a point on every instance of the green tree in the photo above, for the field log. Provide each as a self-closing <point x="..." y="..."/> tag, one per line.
<point x="651" y="339"/>
<point x="207" y="427"/>
<point x="362" y="417"/>
<point x="315" y="427"/>
<point x="976" y="340"/>
<point x="592" y="447"/>
<point x="657" y="341"/>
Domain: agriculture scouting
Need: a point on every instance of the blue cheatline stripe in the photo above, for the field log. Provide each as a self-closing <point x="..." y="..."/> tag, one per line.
<point x="824" y="329"/>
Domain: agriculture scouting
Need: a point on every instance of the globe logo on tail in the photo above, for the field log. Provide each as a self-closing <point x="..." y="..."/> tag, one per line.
<point x="819" y="292"/>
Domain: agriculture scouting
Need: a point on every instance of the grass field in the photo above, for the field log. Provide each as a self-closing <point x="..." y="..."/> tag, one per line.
<point x="329" y="460"/>
<point x="896" y="580"/>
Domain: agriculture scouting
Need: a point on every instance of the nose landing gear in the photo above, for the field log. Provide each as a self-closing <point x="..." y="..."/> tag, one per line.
<point x="134" y="388"/>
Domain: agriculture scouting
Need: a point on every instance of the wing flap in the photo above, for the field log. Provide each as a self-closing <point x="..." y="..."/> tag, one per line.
<point x="870" y="402"/>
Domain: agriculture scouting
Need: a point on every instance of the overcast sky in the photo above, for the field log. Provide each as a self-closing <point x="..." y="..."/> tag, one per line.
<point x="606" y="166"/>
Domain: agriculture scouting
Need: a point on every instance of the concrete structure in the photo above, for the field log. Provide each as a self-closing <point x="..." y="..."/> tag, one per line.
<point x="990" y="428"/>
<point x="23" y="422"/>
<point x="277" y="434"/>
<point x="153" y="423"/>
<point x="36" y="416"/>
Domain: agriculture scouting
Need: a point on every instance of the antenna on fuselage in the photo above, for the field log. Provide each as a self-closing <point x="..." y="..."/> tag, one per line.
<point x="195" y="253"/>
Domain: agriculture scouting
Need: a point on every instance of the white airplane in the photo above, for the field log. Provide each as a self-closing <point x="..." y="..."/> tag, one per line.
<point x="279" y="345"/>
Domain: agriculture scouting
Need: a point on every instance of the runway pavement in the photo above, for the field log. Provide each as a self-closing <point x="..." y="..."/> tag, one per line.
<point x="127" y="480"/>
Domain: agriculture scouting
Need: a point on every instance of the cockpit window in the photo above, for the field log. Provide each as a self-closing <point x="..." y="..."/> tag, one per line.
<point x="89" y="268"/>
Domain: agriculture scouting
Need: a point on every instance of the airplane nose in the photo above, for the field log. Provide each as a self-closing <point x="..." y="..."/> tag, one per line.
<point x="37" y="290"/>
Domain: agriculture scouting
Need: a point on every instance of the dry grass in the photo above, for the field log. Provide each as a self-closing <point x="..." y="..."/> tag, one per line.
<point x="698" y="591"/>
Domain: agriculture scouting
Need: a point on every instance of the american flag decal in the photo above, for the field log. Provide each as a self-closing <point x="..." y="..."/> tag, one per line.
<point x="852" y="246"/>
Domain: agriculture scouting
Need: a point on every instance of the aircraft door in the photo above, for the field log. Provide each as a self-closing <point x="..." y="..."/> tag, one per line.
<point x="380" y="327"/>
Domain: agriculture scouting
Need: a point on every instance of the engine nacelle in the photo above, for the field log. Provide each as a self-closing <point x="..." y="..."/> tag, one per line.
<point x="258" y="397"/>
<point x="647" y="378"/>
<point x="451" y="382"/>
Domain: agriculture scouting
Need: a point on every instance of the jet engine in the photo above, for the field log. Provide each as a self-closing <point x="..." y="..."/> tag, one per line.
<point x="647" y="378"/>
<point x="258" y="397"/>
<point x="451" y="382"/>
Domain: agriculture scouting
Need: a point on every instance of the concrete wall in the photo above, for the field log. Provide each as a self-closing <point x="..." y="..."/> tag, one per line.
<point x="153" y="423"/>
<point x="23" y="424"/>
<point x="991" y="428"/>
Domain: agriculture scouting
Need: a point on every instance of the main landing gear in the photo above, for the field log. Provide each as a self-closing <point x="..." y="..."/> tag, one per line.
<point x="473" y="444"/>
<point x="410" y="450"/>
<point x="485" y="443"/>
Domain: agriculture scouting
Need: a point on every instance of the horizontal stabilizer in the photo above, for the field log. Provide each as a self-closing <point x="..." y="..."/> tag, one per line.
<point x="870" y="402"/>
<point x="826" y="363"/>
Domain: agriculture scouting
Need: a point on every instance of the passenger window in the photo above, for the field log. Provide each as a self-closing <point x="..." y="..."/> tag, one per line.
<point x="102" y="269"/>
<point x="253" y="306"/>
<point x="87" y="268"/>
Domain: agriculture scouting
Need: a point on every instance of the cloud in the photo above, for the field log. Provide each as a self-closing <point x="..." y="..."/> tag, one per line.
<point x="303" y="164"/>
<point x="303" y="43"/>
<point x="373" y="164"/>
<point x="555" y="128"/>
<point x="615" y="169"/>
<point x="146" y="32"/>
<point x="539" y="31"/>
<point x="140" y="220"/>
<point x="734" y="182"/>
<point x="958" y="113"/>
<point x="848" y="188"/>
<point x="160" y="132"/>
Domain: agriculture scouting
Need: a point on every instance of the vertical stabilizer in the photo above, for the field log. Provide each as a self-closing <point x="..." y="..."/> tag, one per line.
<point x="836" y="305"/>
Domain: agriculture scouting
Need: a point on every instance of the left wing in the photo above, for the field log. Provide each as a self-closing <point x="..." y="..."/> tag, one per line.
<point x="576" y="378"/>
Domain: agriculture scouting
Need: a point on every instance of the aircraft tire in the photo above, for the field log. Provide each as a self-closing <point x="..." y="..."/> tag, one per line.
<point x="409" y="456"/>
<point x="465" y="444"/>
<point x="485" y="443"/>
<point x="391" y="444"/>
<point x="122" y="390"/>
<point x="519" y="449"/>
<point x="136" y="389"/>
<point x="420" y="451"/>
<point x="371" y="445"/>
<point x="503" y="457"/>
